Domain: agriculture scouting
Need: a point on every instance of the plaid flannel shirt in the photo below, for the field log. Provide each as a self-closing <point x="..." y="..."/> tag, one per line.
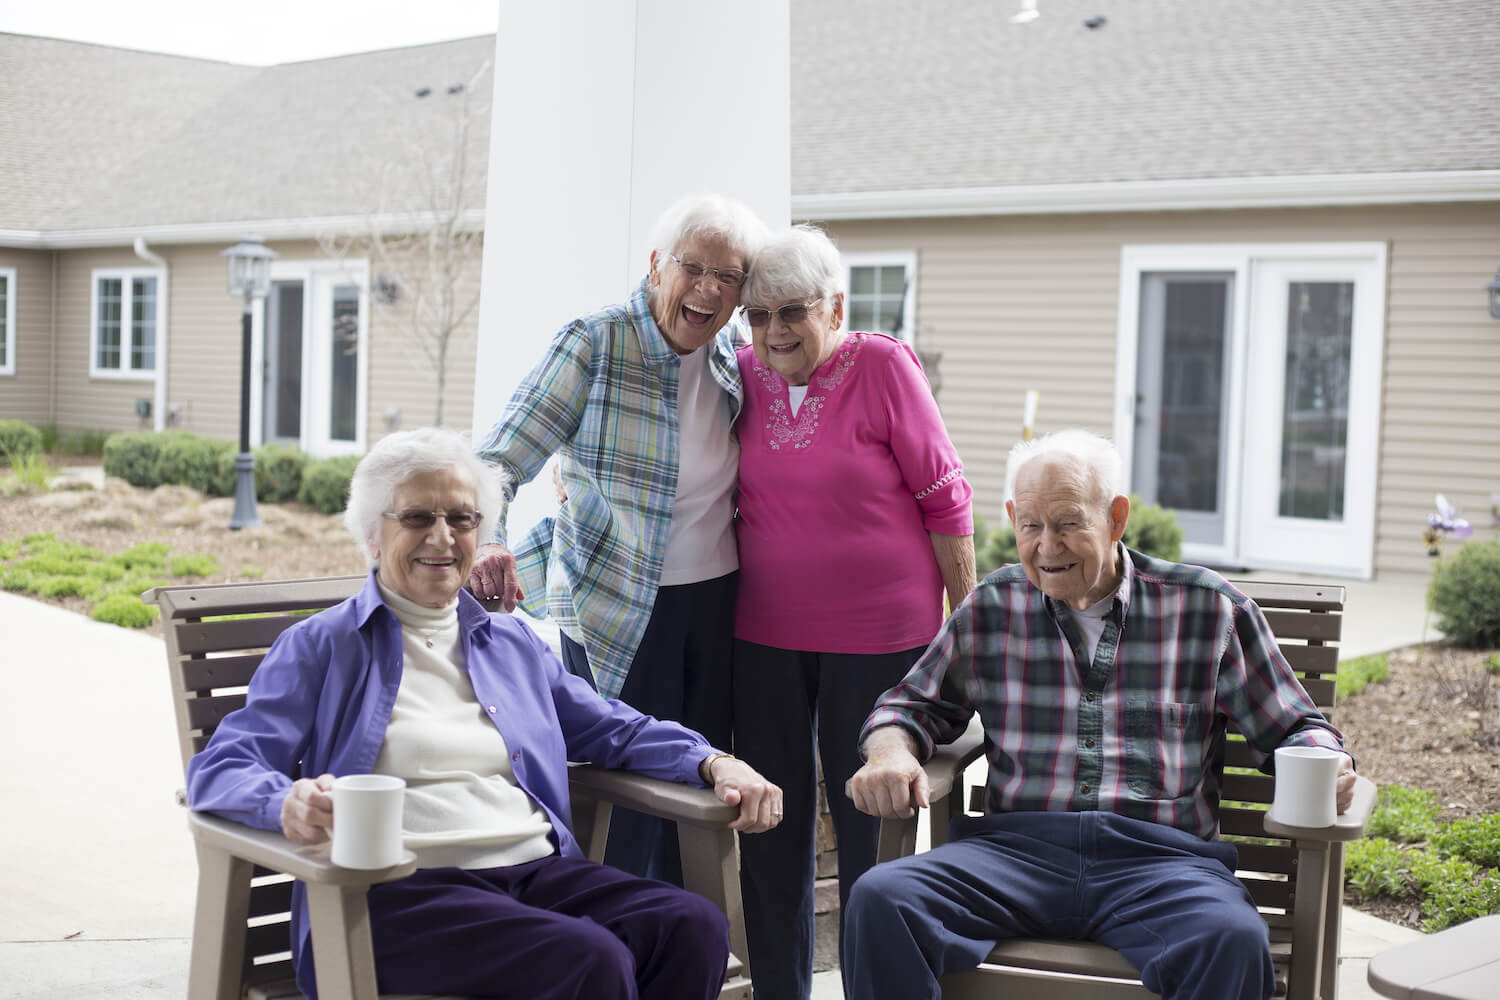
<point x="1131" y="732"/>
<point x="604" y="399"/>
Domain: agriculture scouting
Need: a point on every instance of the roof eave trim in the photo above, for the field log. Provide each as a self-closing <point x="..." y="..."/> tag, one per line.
<point x="471" y="220"/>
<point x="1156" y="196"/>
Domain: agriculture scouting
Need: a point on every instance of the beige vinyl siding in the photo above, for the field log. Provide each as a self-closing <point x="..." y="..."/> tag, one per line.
<point x="203" y="373"/>
<point x="84" y="402"/>
<point x="1029" y="302"/>
<point x="404" y="377"/>
<point x="27" y="394"/>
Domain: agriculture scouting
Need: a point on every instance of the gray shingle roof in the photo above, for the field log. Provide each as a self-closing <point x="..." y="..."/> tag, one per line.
<point x="887" y="95"/>
<point x="117" y="138"/>
<point x="896" y="94"/>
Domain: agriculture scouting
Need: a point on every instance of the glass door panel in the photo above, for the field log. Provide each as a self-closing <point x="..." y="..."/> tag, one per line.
<point x="343" y="388"/>
<point x="1180" y="455"/>
<point x="1312" y="414"/>
<point x="282" y="389"/>
<point x="1315" y="414"/>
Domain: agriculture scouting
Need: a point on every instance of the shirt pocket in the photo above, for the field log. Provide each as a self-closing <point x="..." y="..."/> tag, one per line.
<point x="1163" y="747"/>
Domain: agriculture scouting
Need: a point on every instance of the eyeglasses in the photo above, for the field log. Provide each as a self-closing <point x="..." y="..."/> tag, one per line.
<point x="795" y="313"/>
<point x="729" y="277"/>
<point x="460" y="522"/>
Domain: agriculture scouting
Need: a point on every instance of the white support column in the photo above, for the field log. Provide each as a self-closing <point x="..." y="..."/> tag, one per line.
<point x="606" y="112"/>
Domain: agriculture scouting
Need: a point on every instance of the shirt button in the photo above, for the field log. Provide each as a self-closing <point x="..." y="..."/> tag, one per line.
<point x="1084" y="789"/>
<point x="1088" y="743"/>
<point x="1089" y="696"/>
<point x="492" y="709"/>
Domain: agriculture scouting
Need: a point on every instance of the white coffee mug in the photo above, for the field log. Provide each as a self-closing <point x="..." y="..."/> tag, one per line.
<point x="367" y="820"/>
<point x="1306" y="786"/>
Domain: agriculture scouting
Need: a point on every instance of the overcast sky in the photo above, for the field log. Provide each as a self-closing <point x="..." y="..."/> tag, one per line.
<point x="257" y="33"/>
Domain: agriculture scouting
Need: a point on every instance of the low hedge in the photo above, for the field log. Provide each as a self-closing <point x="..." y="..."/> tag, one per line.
<point x="325" y="483"/>
<point x="18" y="440"/>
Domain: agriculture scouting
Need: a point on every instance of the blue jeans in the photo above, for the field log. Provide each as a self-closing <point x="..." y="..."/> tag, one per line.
<point x="1168" y="901"/>
<point x="681" y="673"/>
<point x="782" y="699"/>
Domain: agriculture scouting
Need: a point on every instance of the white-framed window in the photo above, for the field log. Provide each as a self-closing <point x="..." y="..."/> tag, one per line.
<point x="882" y="292"/>
<point x="125" y="317"/>
<point x="7" y="321"/>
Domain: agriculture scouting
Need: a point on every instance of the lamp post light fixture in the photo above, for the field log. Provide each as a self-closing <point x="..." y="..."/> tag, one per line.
<point x="250" y="279"/>
<point x="1494" y="290"/>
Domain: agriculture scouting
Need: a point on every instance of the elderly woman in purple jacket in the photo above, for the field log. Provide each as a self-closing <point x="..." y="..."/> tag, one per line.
<point x="411" y="677"/>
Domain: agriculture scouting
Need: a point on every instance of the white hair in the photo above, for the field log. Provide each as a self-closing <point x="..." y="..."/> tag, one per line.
<point x="711" y="216"/>
<point x="1097" y="455"/>
<point x="398" y="457"/>
<point x="800" y="263"/>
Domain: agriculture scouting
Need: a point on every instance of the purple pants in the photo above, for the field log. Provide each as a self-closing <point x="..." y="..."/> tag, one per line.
<point x="553" y="928"/>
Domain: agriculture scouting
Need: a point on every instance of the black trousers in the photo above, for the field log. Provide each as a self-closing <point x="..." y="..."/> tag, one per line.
<point x="681" y="672"/>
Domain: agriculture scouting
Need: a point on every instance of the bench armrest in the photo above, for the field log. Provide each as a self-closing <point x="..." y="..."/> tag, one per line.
<point x="667" y="799"/>
<point x="946" y="766"/>
<point x="1349" y="825"/>
<point x="274" y="851"/>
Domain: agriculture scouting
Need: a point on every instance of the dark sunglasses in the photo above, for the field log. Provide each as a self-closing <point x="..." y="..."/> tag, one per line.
<point x="461" y="522"/>
<point x="795" y="313"/>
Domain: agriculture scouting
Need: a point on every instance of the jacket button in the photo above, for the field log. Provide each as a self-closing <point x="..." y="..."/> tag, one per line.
<point x="492" y="709"/>
<point x="516" y="755"/>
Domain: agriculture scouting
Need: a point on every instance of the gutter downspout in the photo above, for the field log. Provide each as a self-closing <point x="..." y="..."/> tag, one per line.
<point x="52" y="347"/>
<point x="159" y="404"/>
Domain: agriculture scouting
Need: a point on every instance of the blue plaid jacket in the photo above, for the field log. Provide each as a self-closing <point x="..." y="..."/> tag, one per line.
<point x="604" y="400"/>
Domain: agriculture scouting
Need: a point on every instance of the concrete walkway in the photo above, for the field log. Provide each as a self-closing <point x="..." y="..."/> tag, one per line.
<point x="97" y="871"/>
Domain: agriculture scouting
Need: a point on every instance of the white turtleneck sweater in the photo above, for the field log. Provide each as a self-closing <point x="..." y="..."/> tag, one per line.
<point x="463" y="807"/>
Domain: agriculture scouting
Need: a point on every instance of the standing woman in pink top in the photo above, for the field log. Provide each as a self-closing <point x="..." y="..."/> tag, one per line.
<point x="854" y="519"/>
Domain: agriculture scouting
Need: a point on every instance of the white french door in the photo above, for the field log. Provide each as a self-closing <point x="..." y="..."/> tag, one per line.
<point x="312" y="351"/>
<point x="1248" y="399"/>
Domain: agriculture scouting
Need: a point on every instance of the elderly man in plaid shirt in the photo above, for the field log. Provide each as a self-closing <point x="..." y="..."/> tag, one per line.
<point x="1102" y="677"/>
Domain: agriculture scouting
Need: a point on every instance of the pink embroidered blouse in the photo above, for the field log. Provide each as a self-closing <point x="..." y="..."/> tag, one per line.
<point x="836" y="502"/>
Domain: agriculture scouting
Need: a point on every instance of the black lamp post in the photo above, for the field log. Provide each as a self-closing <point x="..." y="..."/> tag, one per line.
<point x="250" y="278"/>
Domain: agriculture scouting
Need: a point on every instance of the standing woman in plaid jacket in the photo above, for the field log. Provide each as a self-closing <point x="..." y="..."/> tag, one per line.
<point x="639" y="567"/>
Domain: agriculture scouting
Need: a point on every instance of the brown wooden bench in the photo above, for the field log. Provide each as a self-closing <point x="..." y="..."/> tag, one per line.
<point x="215" y="636"/>
<point x="1295" y="876"/>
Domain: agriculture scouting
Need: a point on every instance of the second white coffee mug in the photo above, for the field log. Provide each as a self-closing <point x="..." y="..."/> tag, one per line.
<point x="1306" y="786"/>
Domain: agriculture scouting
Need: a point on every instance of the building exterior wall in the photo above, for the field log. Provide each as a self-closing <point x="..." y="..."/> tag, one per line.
<point x="27" y="393"/>
<point x="85" y="402"/>
<point x="1030" y="302"/>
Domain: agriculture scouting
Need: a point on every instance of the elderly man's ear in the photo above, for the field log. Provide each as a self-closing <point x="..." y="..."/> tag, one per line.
<point x="1119" y="513"/>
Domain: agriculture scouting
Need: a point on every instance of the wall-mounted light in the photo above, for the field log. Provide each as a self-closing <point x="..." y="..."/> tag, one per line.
<point x="387" y="290"/>
<point x="1494" y="289"/>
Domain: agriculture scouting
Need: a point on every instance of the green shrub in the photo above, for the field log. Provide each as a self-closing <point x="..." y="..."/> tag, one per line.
<point x="1356" y="674"/>
<point x="125" y="610"/>
<point x="1475" y="839"/>
<point x="189" y="460"/>
<point x="196" y="564"/>
<point x="18" y="440"/>
<point x="56" y="441"/>
<point x="1465" y="594"/>
<point x="1153" y="530"/>
<point x="31" y="470"/>
<point x="146" y="557"/>
<point x="325" y="483"/>
<point x="1404" y="814"/>
<point x="1457" y="900"/>
<point x="1378" y="867"/>
<point x="278" y="473"/>
<point x="131" y="456"/>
